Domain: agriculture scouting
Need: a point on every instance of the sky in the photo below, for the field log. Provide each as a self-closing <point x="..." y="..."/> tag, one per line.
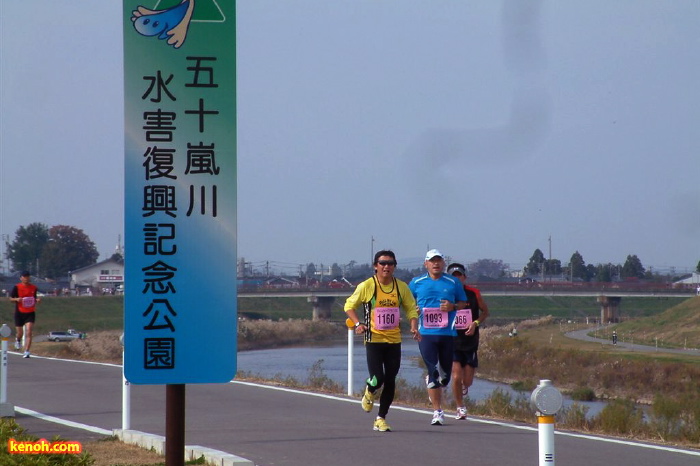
<point x="484" y="129"/>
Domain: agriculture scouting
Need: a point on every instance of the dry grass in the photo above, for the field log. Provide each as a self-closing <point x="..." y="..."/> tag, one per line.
<point x="112" y="452"/>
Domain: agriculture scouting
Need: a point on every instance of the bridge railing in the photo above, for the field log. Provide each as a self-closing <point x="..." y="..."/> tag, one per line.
<point x="508" y="287"/>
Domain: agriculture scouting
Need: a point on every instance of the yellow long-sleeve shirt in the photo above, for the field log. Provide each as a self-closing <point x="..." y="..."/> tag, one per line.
<point x="395" y="295"/>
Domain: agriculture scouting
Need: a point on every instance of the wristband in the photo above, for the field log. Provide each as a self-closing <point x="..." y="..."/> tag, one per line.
<point x="477" y="322"/>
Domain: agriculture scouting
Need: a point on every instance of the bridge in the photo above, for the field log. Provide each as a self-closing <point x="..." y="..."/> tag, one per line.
<point x="609" y="297"/>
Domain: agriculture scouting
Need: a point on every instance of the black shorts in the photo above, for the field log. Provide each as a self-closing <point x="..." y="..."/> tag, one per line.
<point x="466" y="358"/>
<point x="22" y="318"/>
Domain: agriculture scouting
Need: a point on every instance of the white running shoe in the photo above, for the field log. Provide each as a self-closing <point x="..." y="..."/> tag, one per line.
<point x="461" y="413"/>
<point x="26" y="354"/>
<point x="438" y="418"/>
<point x="18" y="345"/>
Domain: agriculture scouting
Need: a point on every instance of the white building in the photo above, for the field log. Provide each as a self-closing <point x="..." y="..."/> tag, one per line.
<point x="103" y="277"/>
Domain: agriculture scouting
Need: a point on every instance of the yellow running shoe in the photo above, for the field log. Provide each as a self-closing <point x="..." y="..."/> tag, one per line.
<point x="367" y="400"/>
<point x="381" y="425"/>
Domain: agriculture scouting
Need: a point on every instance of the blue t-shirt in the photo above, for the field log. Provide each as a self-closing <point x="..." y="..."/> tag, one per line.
<point x="429" y="293"/>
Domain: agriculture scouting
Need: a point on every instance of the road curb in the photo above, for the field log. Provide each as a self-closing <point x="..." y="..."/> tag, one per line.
<point x="192" y="452"/>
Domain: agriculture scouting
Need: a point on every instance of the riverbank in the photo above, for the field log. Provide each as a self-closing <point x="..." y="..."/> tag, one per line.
<point x="583" y="372"/>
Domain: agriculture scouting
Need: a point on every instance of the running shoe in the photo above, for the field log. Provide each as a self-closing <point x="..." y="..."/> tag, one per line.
<point x="26" y="354"/>
<point x="438" y="418"/>
<point x="461" y="413"/>
<point x="18" y="345"/>
<point x="381" y="425"/>
<point x="367" y="400"/>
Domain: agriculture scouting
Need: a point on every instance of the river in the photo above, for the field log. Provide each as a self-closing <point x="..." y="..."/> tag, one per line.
<point x="297" y="362"/>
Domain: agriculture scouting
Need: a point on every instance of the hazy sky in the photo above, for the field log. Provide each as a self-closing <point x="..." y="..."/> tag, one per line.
<point x="478" y="127"/>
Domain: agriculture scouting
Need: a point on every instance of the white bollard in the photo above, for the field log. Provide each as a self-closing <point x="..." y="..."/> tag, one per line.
<point x="126" y="393"/>
<point x="126" y="403"/>
<point x="351" y="348"/>
<point x="546" y="401"/>
<point x="546" y="440"/>
<point x="6" y="409"/>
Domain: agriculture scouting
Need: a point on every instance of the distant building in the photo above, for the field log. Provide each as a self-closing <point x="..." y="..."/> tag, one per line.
<point x="106" y="277"/>
<point x="693" y="279"/>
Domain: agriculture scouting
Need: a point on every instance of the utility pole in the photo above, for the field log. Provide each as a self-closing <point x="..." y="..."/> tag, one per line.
<point x="371" y="255"/>
<point x="549" y="262"/>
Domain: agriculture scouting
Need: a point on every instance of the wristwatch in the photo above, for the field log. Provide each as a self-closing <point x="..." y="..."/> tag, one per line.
<point x="357" y="324"/>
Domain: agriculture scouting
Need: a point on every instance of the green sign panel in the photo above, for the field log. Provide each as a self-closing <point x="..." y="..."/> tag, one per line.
<point x="180" y="191"/>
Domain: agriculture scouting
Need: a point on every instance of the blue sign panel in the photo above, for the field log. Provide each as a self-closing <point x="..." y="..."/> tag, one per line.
<point x="180" y="191"/>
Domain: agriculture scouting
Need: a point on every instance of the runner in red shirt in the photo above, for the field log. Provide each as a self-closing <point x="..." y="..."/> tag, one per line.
<point x="24" y="296"/>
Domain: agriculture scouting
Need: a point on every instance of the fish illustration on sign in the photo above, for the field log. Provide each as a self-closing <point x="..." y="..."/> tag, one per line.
<point x="171" y="24"/>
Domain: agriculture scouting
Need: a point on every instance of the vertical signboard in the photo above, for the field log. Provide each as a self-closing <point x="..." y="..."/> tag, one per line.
<point x="180" y="191"/>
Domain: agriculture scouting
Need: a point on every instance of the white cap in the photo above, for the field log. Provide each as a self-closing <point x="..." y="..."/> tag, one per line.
<point x="433" y="253"/>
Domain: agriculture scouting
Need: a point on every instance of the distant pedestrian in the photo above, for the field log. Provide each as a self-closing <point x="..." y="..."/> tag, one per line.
<point x="697" y="292"/>
<point x="614" y="337"/>
<point x="466" y="343"/>
<point x="381" y="297"/>
<point x="24" y="295"/>
<point x="438" y="297"/>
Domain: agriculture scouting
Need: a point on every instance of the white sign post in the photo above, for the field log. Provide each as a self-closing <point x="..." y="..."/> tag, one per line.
<point x="6" y="409"/>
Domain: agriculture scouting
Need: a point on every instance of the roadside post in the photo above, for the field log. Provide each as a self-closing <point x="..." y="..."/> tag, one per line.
<point x="180" y="200"/>
<point x="6" y="409"/>
<point x="126" y="393"/>
<point x="546" y="400"/>
<point x="351" y="350"/>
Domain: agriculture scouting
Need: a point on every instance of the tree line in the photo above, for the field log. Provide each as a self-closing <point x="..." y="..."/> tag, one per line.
<point x="50" y="252"/>
<point x="56" y="251"/>
<point x="537" y="268"/>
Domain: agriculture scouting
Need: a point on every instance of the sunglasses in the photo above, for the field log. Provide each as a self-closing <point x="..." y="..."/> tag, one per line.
<point x="386" y="262"/>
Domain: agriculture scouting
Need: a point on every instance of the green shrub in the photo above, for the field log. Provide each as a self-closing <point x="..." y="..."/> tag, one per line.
<point x="621" y="417"/>
<point x="574" y="417"/>
<point x="9" y="429"/>
<point x="583" y="394"/>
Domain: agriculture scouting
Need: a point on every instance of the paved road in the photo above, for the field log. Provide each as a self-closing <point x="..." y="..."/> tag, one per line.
<point x="281" y="427"/>
<point x="583" y="335"/>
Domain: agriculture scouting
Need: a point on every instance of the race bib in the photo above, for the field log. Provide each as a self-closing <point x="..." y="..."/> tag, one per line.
<point x="386" y="318"/>
<point x="463" y="319"/>
<point x="433" y="317"/>
<point x="29" y="301"/>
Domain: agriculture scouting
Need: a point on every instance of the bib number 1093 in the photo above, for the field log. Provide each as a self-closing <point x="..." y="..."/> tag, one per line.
<point x="433" y="317"/>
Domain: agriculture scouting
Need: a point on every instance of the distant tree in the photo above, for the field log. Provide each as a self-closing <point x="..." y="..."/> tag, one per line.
<point x="552" y="267"/>
<point x="403" y="274"/>
<point x="632" y="268"/>
<point x="578" y="267"/>
<point x="604" y="272"/>
<point x="359" y="273"/>
<point x="536" y="263"/>
<point x="336" y="271"/>
<point x="68" y="248"/>
<point x="25" y="251"/>
<point x="697" y="269"/>
<point x="310" y="270"/>
<point x="117" y="257"/>
<point x="591" y="272"/>
<point x="488" y="268"/>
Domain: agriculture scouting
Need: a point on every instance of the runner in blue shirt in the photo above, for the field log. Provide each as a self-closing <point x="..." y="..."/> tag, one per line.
<point x="438" y="296"/>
